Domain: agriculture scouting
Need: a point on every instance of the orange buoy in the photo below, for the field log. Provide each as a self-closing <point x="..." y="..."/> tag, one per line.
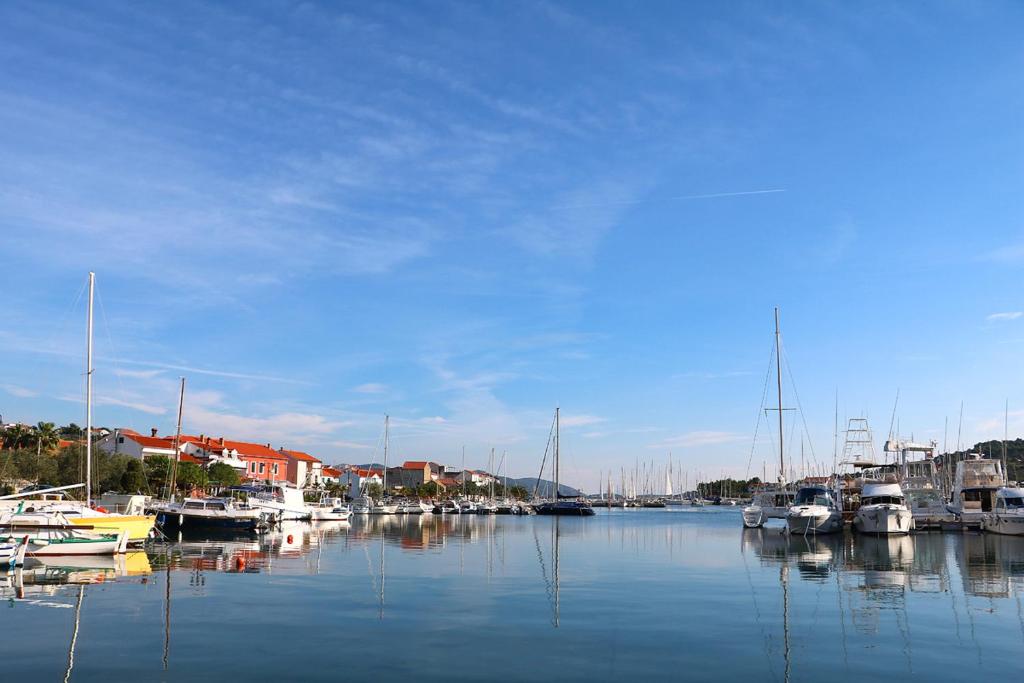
<point x="239" y="563"/>
<point x="289" y="539"/>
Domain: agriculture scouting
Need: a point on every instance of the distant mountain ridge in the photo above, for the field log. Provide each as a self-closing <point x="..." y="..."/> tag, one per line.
<point x="545" y="489"/>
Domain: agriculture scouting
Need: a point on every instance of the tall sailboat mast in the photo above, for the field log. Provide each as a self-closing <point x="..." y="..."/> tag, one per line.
<point x="556" y="451"/>
<point x="384" y="479"/>
<point x="778" y="378"/>
<point x="88" y="395"/>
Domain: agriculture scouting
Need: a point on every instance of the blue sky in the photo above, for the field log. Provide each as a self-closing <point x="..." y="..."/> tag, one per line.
<point x="464" y="214"/>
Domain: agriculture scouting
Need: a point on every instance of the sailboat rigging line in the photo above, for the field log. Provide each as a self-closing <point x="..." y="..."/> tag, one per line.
<point x="547" y="447"/>
<point x="800" y="408"/>
<point x="764" y="395"/>
<point x="110" y="341"/>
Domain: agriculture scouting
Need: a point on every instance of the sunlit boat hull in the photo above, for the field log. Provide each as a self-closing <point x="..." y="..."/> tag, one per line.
<point x="139" y="527"/>
<point x="813" y="519"/>
<point x="883" y="519"/>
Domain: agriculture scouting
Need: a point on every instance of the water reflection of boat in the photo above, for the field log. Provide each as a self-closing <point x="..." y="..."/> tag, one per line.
<point x="886" y="561"/>
<point x="990" y="563"/>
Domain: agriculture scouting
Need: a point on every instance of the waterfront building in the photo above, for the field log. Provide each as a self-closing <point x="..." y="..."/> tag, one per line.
<point x="303" y="469"/>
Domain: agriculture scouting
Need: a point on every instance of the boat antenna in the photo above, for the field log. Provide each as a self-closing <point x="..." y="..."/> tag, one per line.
<point x="88" y="395"/>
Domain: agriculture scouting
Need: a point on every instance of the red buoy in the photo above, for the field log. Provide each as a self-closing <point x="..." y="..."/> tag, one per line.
<point x="289" y="539"/>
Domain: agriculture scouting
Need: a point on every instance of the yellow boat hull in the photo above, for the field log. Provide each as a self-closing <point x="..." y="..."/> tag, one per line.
<point x="137" y="526"/>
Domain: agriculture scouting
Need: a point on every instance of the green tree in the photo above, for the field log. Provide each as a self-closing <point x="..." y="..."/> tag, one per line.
<point x="133" y="480"/>
<point x="374" y="491"/>
<point x="519" y="493"/>
<point x="46" y="436"/>
<point x="17" y="436"/>
<point x="190" y="475"/>
<point x="223" y="474"/>
<point x="71" y="432"/>
<point x="158" y="472"/>
<point x="431" y="489"/>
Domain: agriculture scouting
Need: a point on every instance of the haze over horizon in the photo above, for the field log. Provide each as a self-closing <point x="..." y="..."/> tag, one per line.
<point x="464" y="215"/>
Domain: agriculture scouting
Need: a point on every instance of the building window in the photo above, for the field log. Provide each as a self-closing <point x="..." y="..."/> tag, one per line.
<point x="261" y="468"/>
<point x="252" y="467"/>
<point x="275" y="468"/>
<point x="120" y="439"/>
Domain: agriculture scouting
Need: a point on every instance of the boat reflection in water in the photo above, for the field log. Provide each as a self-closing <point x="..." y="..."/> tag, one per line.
<point x="618" y="595"/>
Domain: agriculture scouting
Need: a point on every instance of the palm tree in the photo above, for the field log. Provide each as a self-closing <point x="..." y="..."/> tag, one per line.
<point x="16" y="436"/>
<point x="47" y="436"/>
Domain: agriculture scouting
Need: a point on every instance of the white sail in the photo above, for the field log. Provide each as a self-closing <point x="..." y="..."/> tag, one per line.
<point x="668" y="482"/>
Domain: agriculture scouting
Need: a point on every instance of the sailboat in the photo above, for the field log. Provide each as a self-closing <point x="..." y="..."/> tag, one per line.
<point x="772" y="502"/>
<point x="576" y="507"/>
<point x="137" y="527"/>
<point x="384" y="506"/>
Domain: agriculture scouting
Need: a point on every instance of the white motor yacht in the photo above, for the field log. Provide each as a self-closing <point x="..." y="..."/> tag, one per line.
<point x="769" y="503"/>
<point x="331" y="510"/>
<point x="974" y="489"/>
<point x="814" y="511"/>
<point x="410" y="507"/>
<point x="384" y="507"/>
<point x="1008" y="515"/>
<point x="362" y="506"/>
<point x="883" y="510"/>
<point x="284" y="501"/>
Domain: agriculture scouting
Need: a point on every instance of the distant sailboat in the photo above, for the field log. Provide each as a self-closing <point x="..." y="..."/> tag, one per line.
<point x="557" y="506"/>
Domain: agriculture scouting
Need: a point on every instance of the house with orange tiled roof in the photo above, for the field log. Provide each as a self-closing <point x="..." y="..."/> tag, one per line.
<point x="303" y="469"/>
<point x="259" y="462"/>
<point x="331" y="475"/>
<point x="129" y="442"/>
<point x="414" y="473"/>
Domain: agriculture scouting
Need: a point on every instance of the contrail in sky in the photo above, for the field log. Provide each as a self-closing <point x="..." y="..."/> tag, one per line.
<point x="667" y="199"/>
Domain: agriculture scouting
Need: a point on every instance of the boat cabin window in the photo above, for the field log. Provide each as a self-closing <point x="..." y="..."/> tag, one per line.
<point x="215" y="506"/>
<point x="882" y="500"/>
<point x="977" y="499"/>
<point x="812" y="497"/>
<point x="192" y="505"/>
<point x="1012" y="503"/>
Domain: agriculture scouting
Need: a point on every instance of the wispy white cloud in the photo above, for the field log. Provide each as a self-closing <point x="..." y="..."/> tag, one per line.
<point x="709" y="375"/>
<point x="1008" y="315"/>
<point x="350" y="445"/>
<point x="580" y="420"/>
<point x="698" y="438"/>
<point x="1011" y="253"/>
<point x="370" y="388"/>
<point x="20" y="392"/>
<point x="137" y="374"/>
<point x="102" y="400"/>
<point x="202" y="371"/>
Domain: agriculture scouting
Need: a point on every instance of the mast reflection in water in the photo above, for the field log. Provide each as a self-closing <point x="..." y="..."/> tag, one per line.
<point x="628" y="593"/>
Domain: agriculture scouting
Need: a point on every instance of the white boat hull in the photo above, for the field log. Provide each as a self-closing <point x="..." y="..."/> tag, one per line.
<point x="754" y="516"/>
<point x="1009" y="524"/>
<point x="883" y="519"/>
<point x="814" y="519"/>
<point x="331" y="514"/>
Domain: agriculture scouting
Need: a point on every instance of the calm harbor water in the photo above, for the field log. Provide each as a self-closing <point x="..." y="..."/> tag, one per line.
<point x="679" y="592"/>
